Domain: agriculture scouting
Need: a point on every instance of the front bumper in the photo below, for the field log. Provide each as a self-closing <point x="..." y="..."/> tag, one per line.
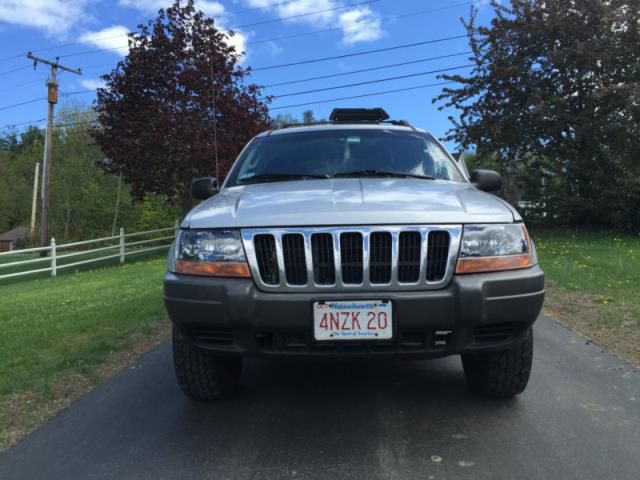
<point x="474" y="313"/>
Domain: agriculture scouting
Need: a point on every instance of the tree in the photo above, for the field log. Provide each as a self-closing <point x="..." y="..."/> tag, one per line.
<point x="283" y="119"/>
<point x="83" y="196"/>
<point x="555" y="87"/>
<point x="157" y="112"/>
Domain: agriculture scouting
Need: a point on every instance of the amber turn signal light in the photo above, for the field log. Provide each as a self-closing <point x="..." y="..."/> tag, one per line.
<point x="492" y="264"/>
<point x="213" y="269"/>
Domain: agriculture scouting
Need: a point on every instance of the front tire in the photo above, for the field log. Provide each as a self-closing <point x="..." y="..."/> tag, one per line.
<point x="500" y="374"/>
<point x="201" y="376"/>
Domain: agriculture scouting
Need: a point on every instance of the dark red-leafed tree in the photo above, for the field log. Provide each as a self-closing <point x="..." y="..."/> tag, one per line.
<point x="156" y="111"/>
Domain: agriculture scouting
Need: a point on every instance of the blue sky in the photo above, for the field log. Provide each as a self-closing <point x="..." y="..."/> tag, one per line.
<point x="46" y="26"/>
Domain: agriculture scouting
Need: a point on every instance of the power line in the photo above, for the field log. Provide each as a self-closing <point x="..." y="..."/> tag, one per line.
<point x="285" y="37"/>
<point x="19" y="85"/>
<point x="306" y="14"/>
<point x="7" y="72"/>
<point x="360" y="24"/>
<point x="110" y="37"/>
<point x="264" y="22"/>
<point x="266" y="40"/>
<point x="336" y="87"/>
<point x="252" y="9"/>
<point x="353" y="72"/>
<point x="368" y="82"/>
<point x="34" y="100"/>
<point x="24" y="123"/>
<point x="305" y="62"/>
<point x="386" y="92"/>
<point x="317" y="102"/>
<point x="357" y="54"/>
<point x="78" y="92"/>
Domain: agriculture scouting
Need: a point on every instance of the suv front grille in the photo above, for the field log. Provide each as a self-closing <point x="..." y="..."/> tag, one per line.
<point x="409" y="257"/>
<point x="380" y="257"/>
<point x="352" y="258"/>
<point x="266" y="259"/>
<point x="324" y="269"/>
<point x="437" y="250"/>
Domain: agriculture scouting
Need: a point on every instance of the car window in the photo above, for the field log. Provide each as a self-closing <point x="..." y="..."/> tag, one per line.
<point x="333" y="152"/>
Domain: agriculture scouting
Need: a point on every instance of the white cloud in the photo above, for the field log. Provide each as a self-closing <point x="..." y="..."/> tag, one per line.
<point x="238" y="40"/>
<point x="55" y="17"/>
<point x="92" y="83"/>
<point x="152" y="6"/>
<point x="114" y="37"/>
<point x="208" y="7"/>
<point x="359" y="24"/>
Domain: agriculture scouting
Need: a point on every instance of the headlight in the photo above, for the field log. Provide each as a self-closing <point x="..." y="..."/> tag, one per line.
<point x="213" y="253"/>
<point x="490" y="248"/>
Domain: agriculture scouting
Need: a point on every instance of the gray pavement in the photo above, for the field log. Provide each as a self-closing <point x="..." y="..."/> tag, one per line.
<point x="578" y="419"/>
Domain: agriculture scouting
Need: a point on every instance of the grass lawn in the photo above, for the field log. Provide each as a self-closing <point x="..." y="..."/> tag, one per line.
<point x="60" y="336"/>
<point x="593" y="285"/>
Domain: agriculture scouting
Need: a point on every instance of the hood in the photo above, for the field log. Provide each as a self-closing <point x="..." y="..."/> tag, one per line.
<point x="346" y="201"/>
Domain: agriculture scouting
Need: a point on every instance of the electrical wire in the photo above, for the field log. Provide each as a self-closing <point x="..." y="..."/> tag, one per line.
<point x="306" y="14"/>
<point x="386" y="92"/>
<point x="34" y="100"/>
<point x="7" y="72"/>
<point x="272" y="39"/>
<point x="353" y="72"/>
<point x="368" y="82"/>
<point x="357" y="54"/>
<point x="360" y="24"/>
<point x="110" y="37"/>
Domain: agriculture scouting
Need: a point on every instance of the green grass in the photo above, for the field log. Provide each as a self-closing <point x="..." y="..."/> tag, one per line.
<point x="53" y="330"/>
<point x="605" y="266"/>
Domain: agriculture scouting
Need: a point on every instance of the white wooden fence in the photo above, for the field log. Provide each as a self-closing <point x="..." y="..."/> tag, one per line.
<point x="119" y="244"/>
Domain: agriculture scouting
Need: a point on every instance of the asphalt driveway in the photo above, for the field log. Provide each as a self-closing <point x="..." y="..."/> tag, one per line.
<point x="578" y="419"/>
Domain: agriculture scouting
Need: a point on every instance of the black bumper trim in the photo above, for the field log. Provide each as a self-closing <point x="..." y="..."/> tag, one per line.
<point x="249" y="315"/>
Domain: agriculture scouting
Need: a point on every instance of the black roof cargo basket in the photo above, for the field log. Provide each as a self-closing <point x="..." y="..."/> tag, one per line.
<point x="354" y="115"/>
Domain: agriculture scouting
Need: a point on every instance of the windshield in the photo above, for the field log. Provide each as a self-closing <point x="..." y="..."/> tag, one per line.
<point x="342" y="153"/>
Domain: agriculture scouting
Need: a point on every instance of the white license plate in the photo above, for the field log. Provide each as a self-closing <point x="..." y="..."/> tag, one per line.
<point x="352" y="320"/>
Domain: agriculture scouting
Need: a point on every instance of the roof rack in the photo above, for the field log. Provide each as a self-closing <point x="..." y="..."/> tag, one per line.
<point x="354" y="115"/>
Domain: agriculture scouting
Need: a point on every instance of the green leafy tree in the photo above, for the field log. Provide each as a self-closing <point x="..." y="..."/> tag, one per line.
<point x="554" y="92"/>
<point x="82" y="196"/>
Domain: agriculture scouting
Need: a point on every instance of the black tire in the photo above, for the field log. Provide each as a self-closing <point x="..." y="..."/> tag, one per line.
<point x="201" y="376"/>
<point x="500" y="374"/>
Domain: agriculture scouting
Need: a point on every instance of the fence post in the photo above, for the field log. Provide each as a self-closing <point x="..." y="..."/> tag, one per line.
<point x="176" y="227"/>
<point x="53" y="257"/>
<point x="122" y="250"/>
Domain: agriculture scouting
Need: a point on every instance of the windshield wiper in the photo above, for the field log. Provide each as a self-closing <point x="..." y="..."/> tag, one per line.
<point x="382" y="173"/>
<point x="279" y="177"/>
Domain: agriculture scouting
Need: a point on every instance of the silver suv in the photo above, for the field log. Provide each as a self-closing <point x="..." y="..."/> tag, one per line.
<point x="356" y="237"/>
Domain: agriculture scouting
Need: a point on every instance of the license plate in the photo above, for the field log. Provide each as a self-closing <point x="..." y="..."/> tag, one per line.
<point x="352" y="320"/>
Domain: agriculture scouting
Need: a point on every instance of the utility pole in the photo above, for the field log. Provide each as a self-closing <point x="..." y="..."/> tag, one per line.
<point x="52" y="98"/>
<point x="32" y="232"/>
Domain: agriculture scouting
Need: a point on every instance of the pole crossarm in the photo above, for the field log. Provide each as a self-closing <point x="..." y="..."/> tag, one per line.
<point x="37" y="60"/>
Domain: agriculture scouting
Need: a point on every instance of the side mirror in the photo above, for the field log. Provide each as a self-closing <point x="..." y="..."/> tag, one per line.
<point x="486" y="180"/>
<point x="203" y="188"/>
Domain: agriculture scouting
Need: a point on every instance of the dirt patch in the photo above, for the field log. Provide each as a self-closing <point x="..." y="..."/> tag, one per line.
<point x="591" y="316"/>
<point x="23" y="412"/>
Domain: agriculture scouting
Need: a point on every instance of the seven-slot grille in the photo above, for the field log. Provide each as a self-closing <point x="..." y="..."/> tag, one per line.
<point x="352" y="258"/>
